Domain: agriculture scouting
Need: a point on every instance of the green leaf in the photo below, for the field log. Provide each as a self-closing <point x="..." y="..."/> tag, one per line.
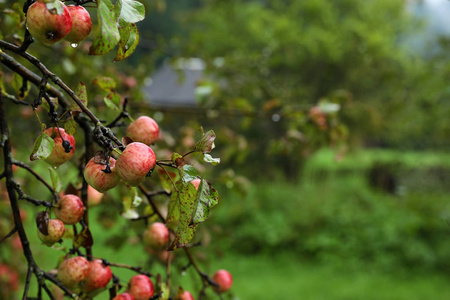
<point x="108" y="36"/>
<point x="207" y="198"/>
<point x="206" y="143"/>
<point x="82" y="93"/>
<point x="167" y="179"/>
<point x="130" y="214"/>
<point x="187" y="173"/>
<point x="70" y="126"/>
<point x="209" y="159"/>
<point x="53" y="100"/>
<point x="130" y="203"/>
<point x="129" y="39"/>
<point x="173" y="212"/>
<point x="43" y="147"/>
<point x="56" y="182"/>
<point x="181" y="208"/>
<point x="105" y="83"/>
<point x="55" y="7"/>
<point x="136" y="199"/>
<point x="112" y="101"/>
<point x="130" y="11"/>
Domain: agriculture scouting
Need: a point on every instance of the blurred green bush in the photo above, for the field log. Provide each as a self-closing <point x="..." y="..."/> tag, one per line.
<point x="335" y="215"/>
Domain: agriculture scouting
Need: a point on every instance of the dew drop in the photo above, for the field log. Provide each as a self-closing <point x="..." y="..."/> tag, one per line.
<point x="183" y="273"/>
<point x="74" y="45"/>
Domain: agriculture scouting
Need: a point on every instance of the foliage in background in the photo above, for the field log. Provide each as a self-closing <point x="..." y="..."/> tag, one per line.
<point x="336" y="215"/>
<point x="271" y="61"/>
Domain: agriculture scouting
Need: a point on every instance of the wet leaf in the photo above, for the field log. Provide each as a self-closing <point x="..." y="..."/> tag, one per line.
<point x="207" y="198"/>
<point x="206" y="143"/>
<point x="167" y="179"/>
<point x="56" y="182"/>
<point x="112" y="101"/>
<point x="209" y="159"/>
<point x="55" y="7"/>
<point x="181" y="208"/>
<point x="129" y="39"/>
<point x="188" y="173"/>
<point x="53" y="100"/>
<point x="43" y="147"/>
<point x="130" y="11"/>
<point x="81" y="94"/>
<point x="108" y="35"/>
<point x="137" y="200"/>
<point x="70" y="126"/>
<point x="105" y="83"/>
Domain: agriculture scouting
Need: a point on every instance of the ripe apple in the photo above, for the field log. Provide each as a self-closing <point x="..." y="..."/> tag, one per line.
<point x="99" y="180"/>
<point x="69" y="209"/>
<point x="185" y="295"/>
<point x="140" y="287"/>
<point x="94" y="196"/>
<point x="59" y="154"/>
<point x="135" y="162"/>
<point x="223" y="279"/>
<point x="99" y="276"/>
<point x="124" y="296"/>
<point x="73" y="270"/>
<point x="82" y="24"/>
<point x="144" y="129"/>
<point x="196" y="183"/>
<point x="47" y="26"/>
<point x="56" y="230"/>
<point x="156" y="236"/>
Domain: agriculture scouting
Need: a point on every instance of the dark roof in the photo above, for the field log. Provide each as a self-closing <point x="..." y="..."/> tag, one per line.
<point x="174" y="84"/>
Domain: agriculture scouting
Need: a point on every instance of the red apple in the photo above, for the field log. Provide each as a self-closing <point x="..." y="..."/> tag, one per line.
<point x="69" y="209"/>
<point x="140" y="287"/>
<point x="59" y="154"/>
<point x="185" y="295"/>
<point x="123" y="296"/>
<point x="144" y="129"/>
<point x="156" y="236"/>
<point x="94" y="196"/>
<point x="135" y="162"/>
<point x="223" y="279"/>
<point x="56" y="230"/>
<point x="73" y="270"/>
<point x="99" y="276"/>
<point x="99" y="180"/>
<point x="47" y="26"/>
<point x="196" y="183"/>
<point x="82" y="24"/>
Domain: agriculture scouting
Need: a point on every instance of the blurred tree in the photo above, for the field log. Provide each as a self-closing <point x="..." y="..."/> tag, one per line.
<point x="274" y="60"/>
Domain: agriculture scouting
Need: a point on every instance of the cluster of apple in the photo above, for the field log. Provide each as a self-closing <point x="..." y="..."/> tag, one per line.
<point x="132" y="165"/>
<point x="92" y="277"/>
<point x="69" y="210"/>
<point x="52" y="21"/>
<point x="135" y="162"/>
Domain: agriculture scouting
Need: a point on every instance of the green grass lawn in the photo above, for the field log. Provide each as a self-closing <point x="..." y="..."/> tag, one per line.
<point x="284" y="277"/>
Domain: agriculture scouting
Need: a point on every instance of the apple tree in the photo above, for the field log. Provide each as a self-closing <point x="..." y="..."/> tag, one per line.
<point x="104" y="146"/>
